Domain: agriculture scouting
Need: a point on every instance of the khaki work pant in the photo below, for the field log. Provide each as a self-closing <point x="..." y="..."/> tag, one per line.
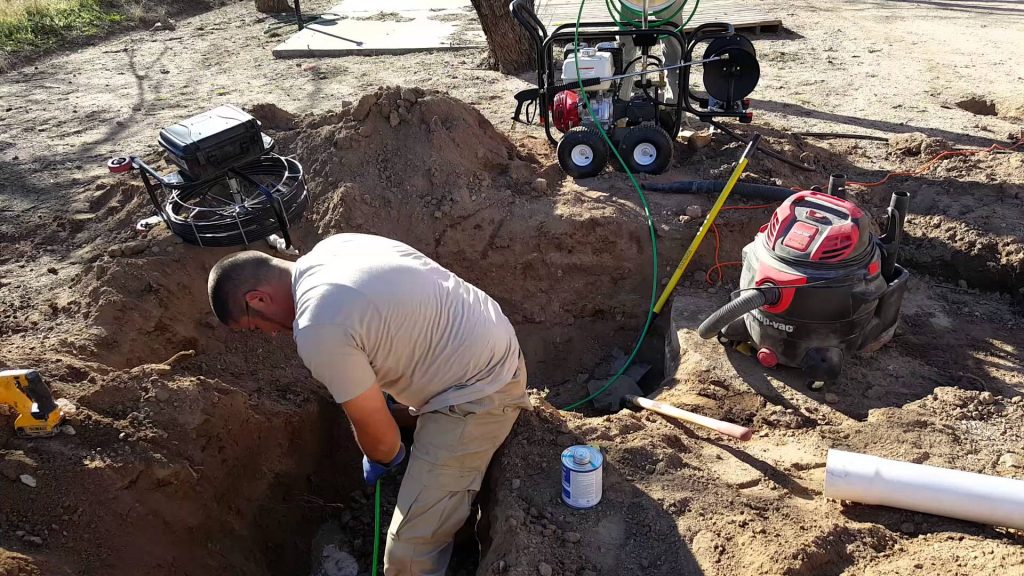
<point x="450" y="454"/>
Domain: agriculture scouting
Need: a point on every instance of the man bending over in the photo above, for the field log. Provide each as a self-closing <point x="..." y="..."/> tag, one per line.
<point x="372" y="315"/>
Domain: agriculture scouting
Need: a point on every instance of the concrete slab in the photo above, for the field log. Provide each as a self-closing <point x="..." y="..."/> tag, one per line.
<point x="371" y="27"/>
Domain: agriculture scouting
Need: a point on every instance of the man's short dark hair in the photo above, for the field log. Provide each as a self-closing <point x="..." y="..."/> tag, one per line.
<point x="232" y="277"/>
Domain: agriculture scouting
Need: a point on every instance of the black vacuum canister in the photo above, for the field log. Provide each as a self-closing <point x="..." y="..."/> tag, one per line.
<point x="213" y="142"/>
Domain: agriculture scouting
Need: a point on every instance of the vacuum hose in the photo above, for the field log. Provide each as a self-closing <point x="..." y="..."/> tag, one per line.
<point x="773" y="193"/>
<point x="747" y="302"/>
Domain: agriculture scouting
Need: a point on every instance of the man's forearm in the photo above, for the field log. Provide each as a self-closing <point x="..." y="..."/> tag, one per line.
<point x="374" y="428"/>
<point x="380" y="445"/>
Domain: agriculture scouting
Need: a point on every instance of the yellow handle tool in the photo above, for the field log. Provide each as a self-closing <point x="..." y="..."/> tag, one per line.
<point x="695" y="244"/>
<point x="25" y="390"/>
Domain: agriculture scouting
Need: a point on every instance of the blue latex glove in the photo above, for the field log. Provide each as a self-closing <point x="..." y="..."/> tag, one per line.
<point x="373" y="471"/>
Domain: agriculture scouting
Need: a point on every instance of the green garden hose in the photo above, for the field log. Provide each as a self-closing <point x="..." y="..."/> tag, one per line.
<point x="650" y="226"/>
<point x="376" y="529"/>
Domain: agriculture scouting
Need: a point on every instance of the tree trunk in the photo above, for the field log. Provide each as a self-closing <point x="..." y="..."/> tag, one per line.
<point x="511" y="49"/>
<point x="274" y="6"/>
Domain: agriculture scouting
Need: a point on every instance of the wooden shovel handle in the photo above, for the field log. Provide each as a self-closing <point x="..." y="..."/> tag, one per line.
<point x="728" y="428"/>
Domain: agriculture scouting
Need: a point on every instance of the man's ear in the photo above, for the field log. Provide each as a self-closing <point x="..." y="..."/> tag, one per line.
<point x="257" y="299"/>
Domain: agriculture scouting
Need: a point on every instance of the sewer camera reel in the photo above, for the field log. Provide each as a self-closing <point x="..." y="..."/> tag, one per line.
<point x="231" y="189"/>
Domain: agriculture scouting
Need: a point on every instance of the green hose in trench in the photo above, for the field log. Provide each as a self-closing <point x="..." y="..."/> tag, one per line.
<point x="376" y="528"/>
<point x="650" y="226"/>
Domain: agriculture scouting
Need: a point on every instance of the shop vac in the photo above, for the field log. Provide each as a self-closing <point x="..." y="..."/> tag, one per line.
<point x="817" y="286"/>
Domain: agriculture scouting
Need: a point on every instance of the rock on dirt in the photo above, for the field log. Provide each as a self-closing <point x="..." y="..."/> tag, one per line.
<point x="134" y="248"/>
<point x="544" y="569"/>
<point x="28" y="480"/>
<point x="540" y="186"/>
<point x="335" y="562"/>
<point x="362" y="108"/>
<point x="1010" y="460"/>
<point x="411" y="95"/>
<point x="11" y="466"/>
<point x="272" y="117"/>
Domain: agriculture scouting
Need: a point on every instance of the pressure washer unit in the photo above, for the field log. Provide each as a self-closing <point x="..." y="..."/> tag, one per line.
<point x="230" y="189"/>
<point x="817" y="286"/>
<point x="635" y="72"/>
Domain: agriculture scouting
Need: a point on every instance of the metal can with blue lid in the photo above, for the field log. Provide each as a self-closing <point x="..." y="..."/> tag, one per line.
<point x="581" y="476"/>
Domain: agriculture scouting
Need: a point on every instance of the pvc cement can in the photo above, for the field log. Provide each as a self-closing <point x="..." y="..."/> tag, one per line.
<point x="581" y="476"/>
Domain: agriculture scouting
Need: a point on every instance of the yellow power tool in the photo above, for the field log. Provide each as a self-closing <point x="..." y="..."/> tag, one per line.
<point x="38" y="414"/>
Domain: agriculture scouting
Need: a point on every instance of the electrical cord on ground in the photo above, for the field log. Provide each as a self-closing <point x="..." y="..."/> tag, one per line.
<point x="714" y="228"/>
<point x="650" y="226"/>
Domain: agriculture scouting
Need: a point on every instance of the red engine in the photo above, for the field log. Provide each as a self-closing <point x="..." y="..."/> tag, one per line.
<point x="565" y="110"/>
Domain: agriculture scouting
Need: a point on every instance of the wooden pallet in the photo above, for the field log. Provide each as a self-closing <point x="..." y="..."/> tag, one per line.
<point x="739" y="13"/>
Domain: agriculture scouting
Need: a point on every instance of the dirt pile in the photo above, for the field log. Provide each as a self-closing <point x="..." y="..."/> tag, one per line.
<point x="427" y="169"/>
<point x="167" y="410"/>
<point x="963" y="223"/>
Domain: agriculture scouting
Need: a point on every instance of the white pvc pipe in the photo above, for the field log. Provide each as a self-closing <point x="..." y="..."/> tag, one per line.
<point x="964" y="495"/>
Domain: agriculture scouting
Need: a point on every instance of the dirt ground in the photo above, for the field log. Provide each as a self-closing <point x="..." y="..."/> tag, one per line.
<point x="199" y="451"/>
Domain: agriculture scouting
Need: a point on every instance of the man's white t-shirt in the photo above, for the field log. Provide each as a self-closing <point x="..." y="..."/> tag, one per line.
<point x="370" y="309"/>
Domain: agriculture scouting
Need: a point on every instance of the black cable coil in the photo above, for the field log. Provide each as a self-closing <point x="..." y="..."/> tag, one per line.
<point x="267" y="195"/>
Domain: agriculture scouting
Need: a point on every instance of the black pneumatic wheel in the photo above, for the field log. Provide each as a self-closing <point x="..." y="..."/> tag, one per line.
<point x="646" y="149"/>
<point x="582" y="152"/>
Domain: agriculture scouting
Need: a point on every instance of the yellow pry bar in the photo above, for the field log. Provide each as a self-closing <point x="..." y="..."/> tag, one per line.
<point x="695" y="244"/>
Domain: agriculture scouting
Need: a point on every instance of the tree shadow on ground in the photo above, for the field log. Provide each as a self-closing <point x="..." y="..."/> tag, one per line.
<point x="792" y="109"/>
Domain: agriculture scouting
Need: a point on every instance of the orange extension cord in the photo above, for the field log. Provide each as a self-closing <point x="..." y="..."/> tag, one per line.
<point x="921" y="170"/>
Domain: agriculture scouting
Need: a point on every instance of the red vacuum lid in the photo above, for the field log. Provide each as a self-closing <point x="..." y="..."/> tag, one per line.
<point x="816" y="227"/>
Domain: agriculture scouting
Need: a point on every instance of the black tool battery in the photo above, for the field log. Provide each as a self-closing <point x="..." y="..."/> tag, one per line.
<point x="209" y="144"/>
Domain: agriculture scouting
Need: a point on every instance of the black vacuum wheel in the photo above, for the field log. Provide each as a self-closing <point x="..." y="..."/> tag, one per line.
<point x="646" y="149"/>
<point x="582" y="152"/>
